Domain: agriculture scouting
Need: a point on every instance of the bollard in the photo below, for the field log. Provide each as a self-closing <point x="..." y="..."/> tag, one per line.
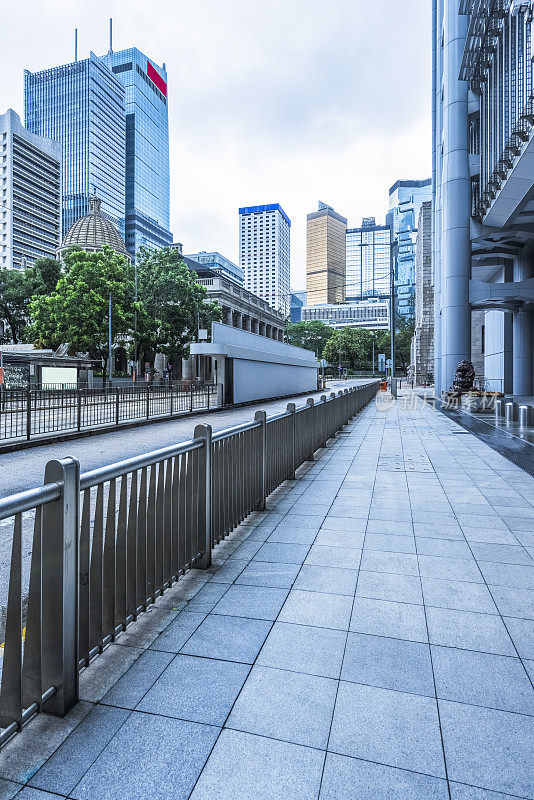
<point x="509" y="413"/>
<point x="523" y="416"/>
<point x="499" y="409"/>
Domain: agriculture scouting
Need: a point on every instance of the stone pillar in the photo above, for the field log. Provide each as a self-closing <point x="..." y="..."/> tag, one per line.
<point x="268" y="331"/>
<point x="188" y="368"/>
<point x="523" y="344"/>
<point x="254" y="325"/>
<point x="238" y="319"/>
<point x="455" y="197"/>
<point x="261" y="330"/>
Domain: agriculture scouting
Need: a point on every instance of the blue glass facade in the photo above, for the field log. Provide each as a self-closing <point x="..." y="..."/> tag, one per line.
<point x="81" y="105"/>
<point x="405" y="199"/>
<point x="147" y="149"/>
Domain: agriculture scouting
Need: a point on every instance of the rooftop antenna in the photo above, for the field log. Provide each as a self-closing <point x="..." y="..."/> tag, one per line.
<point x="110" y="51"/>
<point x="76" y="44"/>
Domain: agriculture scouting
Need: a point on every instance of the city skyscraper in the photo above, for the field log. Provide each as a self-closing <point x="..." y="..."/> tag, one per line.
<point x="147" y="148"/>
<point x="264" y="253"/>
<point x="30" y="184"/>
<point x="368" y="260"/>
<point x="81" y="105"/>
<point x="325" y="256"/>
<point x="405" y="199"/>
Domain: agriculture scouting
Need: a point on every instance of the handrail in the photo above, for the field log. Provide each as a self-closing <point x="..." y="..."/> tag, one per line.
<point x="29" y="499"/>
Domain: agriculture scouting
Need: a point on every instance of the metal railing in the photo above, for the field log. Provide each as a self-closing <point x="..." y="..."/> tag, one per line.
<point x="25" y="414"/>
<point x="105" y="544"/>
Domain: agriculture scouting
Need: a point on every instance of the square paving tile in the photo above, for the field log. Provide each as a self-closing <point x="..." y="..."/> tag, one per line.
<point x="317" y="608"/>
<point x="522" y="633"/>
<point x="135" y="683"/>
<point x="229" y="571"/>
<point x="514" y="602"/>
<point x="263" y="573"/>
<point x="349" y="540"/>
<point x="461" y="595"/>
<point x="482" y="679"/>
<point x="279" y="552"/>
<point x="393" y="728"/>
<point x="389" y="543"/>
<point x="207" y="597"/>
<point x="178" y="632"/>
<point x="304" y="648"/>
<point x="151" y="757"/>
<point x="292" y="706"/>
<point x="247" y="767"/>
<point x="383" y="586"/>
<point x="228" y="638"/>
<point x="487" y="748"/>
<point x="196" y="689"/>
<point x="257" y="602"/>
<point x="467" y="630"/>
<point x="388" y="663"/>
<point x="300" y="536"/>
<point x="71" y="761"/>
<point x="321" y="556"/>
<point x="327" y="579"/>
<point x="459" y="791"/>
<point x="389" y="618"/>
<point x="514" y="575"/>
<point x="452" y="548"/>
<point x="392" y="563"/>
<point x="350" y="779"/>
<point x="457" y="569"/>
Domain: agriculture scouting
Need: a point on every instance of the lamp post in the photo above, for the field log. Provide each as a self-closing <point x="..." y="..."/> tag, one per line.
<point x="392" y="303"/>
<point x="110" y="361"/>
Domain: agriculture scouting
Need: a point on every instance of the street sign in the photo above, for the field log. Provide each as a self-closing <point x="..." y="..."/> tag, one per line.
<point x="381" y="362"/>
<point x="388" y="363"/>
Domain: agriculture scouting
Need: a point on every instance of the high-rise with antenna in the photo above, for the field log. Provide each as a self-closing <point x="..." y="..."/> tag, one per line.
<point x="147" y="147"/>
<point x="81" y="105"/>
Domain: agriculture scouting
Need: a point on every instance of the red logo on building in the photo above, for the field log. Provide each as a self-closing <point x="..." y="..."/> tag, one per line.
<point x="156" y="78"/>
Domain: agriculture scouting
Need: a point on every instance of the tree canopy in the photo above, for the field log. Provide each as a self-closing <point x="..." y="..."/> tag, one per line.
<point x="76" y="313"/>
<point x="173" y="303"/>
<point x="17" y="287"/>
<point x="309" y="335"/>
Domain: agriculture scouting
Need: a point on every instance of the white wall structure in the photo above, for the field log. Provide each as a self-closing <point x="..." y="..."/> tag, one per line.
<point x="251" y="367"/>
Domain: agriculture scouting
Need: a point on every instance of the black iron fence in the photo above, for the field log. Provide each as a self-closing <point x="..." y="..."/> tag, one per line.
<point x="105" y="544"/>
<point x="35" y="412"/>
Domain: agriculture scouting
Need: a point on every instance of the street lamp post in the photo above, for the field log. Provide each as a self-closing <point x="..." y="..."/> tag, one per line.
<point x="110" y="361"/>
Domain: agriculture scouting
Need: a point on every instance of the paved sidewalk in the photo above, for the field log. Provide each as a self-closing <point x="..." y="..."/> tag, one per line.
<point x="366" y="638"/>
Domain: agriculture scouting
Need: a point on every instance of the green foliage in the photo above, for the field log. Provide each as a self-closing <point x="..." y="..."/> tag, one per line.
<point x="350" y="346"/>
<point x="173" y="303"/>
<point x="309" y="335"/>
<point x="17" y="287"/>
<point x="76" y="312"/>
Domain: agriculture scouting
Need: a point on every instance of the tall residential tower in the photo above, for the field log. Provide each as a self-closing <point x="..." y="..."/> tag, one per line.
<point x="81" y="105"/>
<point x="264" y="253"/>
<point x="30" y="199"/>
<point x="325" y="256"/>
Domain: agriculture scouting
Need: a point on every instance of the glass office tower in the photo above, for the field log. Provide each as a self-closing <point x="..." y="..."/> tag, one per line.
<point x="147" y="149"/>
<point x="81" y="105"/>
<point x="368" y="260"/>
<point x="405" y="200"/>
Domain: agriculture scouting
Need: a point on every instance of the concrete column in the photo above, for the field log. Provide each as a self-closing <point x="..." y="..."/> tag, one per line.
<point x="261" y="329"/>
<point x="238" y="320"/>
<point x="523" y="353"/>
<point x="268" y="331"/>
<point x="255" y="326"/>
<point x="188" y="368"/>
<point x="455" y="202"/>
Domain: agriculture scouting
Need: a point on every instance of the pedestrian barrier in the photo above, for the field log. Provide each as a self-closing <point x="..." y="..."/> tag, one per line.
<point x="105" y="544"/>
<point x="27" y="413"/>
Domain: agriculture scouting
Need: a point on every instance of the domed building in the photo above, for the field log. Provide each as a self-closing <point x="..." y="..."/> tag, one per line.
<point x="93" y="232"/>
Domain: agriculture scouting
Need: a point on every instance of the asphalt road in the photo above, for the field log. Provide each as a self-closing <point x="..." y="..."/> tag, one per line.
<point x="24" y="469"/>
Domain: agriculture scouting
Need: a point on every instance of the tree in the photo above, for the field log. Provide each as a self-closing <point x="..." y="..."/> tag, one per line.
<point x="309" y="335"/>
<point x="17" y="287"/>
<point x="350" y="346"/>
<point x="404" y="330"/>
<point x="173" y="302"/>
<point x="76" y="312"/>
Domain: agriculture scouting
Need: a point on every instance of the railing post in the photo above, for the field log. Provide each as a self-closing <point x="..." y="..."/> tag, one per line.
<point x="117" y="407"/>
<point x="60" y="570"/>
<point x="172" y="398"/>
<point x="147" y="399"/>
<point x="204" y="493"/>
<point x="79" y="410"/>
<point x="310" y="402"/>
<point x="261" y="416"/>
<point x="28" y="414"/>
<point x="191" y="400"/>
<point x="291" y="409"/>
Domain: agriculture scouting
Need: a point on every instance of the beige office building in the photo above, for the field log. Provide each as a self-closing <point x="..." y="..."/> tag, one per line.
<point x="325" y="256"/>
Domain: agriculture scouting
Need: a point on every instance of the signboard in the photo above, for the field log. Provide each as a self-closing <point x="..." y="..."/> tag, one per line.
<point x="381" y="362"/>
<point x="202" y="335"/>
<point x="1" y="375"/>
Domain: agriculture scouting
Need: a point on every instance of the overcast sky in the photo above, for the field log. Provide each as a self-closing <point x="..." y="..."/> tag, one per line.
<point x="288" y="101"/>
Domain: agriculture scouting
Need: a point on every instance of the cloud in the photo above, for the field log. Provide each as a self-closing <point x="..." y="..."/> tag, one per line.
<point x="290" y="102"/>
